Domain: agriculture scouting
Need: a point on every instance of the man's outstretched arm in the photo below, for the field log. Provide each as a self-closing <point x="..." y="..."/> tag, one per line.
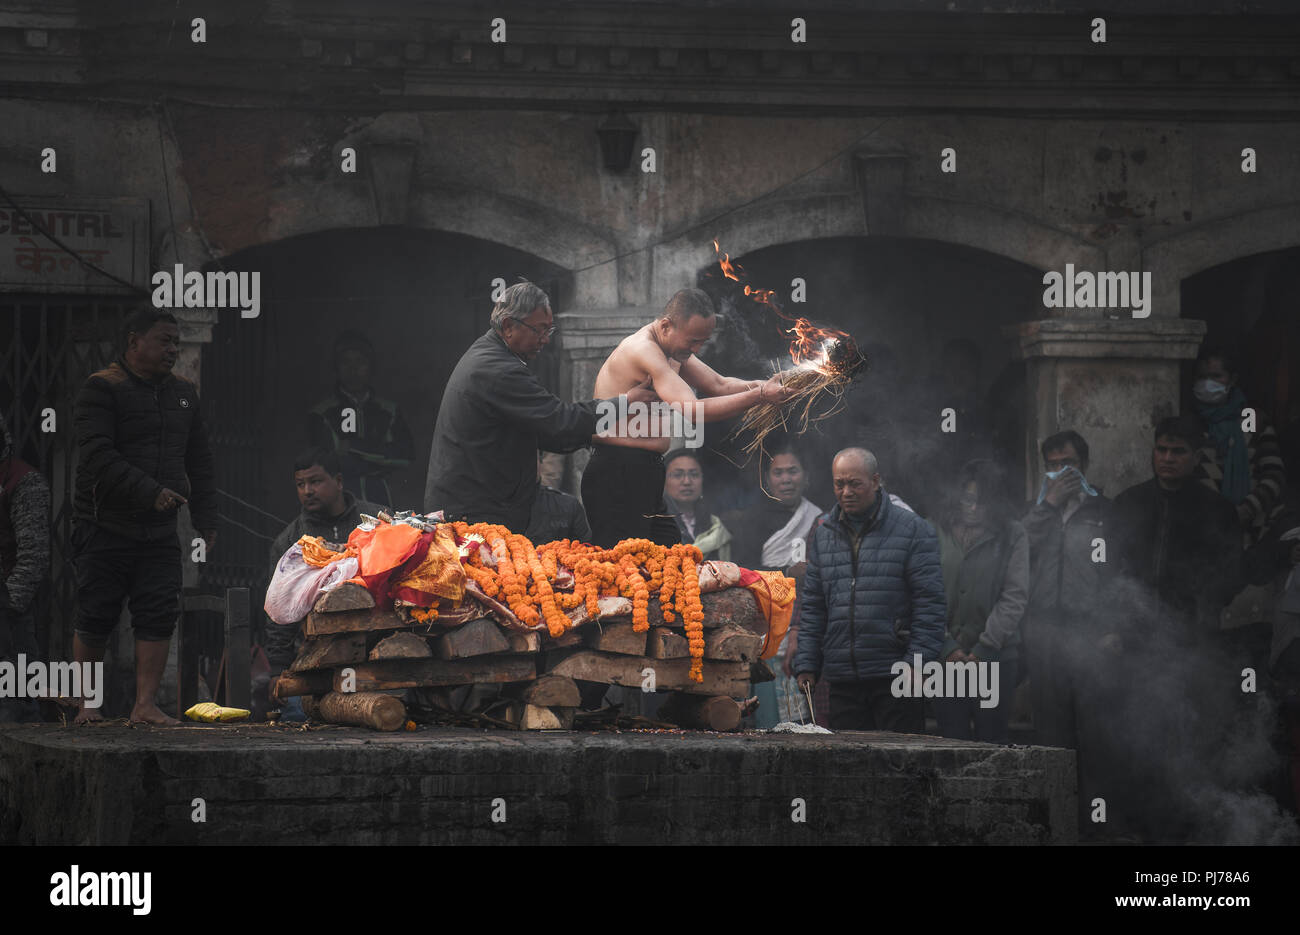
<point x="671" y="388"/>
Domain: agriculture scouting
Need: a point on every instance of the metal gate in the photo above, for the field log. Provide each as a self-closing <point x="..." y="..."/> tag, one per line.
<point x="49" y="345"/>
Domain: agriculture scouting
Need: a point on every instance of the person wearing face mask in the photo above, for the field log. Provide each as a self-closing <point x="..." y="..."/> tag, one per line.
<point x="1246" y="467"/>
<point x="1066" y="628"/>
<point x="984" y="554"/>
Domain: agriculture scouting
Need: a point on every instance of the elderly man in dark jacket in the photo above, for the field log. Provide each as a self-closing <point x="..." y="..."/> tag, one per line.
<point x="495" y="414"/>
<point x="872" y="597"/>
<point x="142" y="453"/>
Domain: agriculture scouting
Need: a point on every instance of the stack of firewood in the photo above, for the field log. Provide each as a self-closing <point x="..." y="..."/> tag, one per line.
<point x="357" y="661"/>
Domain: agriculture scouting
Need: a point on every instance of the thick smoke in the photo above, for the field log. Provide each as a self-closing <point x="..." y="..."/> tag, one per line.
<point x="1168" y="739"/>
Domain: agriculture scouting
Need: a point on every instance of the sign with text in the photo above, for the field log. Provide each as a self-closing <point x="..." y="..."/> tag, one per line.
<point x="111" y="233"/>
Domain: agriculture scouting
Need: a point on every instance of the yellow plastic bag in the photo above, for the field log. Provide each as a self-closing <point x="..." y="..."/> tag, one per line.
<point x="209" y="712"/>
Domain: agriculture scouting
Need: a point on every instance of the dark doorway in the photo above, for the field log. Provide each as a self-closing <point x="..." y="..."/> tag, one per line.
<point x="421" y="298"/>
<point x="1251" y="308"/>
<point x="912" y="306"/>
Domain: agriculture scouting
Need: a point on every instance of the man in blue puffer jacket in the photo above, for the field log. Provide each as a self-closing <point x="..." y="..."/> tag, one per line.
<point x="872" y="597"/>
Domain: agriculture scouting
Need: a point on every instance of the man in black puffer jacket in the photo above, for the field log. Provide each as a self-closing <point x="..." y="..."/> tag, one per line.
<point x="142" y="453"/>
<point x="872" y="597"/>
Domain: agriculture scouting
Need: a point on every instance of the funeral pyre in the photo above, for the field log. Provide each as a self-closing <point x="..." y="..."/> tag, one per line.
<point x="414" y="603"/>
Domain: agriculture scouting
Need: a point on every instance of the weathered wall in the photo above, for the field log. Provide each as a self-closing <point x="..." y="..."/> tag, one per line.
<point x="264" y="785"/>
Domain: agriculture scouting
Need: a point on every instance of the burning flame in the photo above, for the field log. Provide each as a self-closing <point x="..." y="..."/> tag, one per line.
<point x="729" y="269"/>
<point x="812" y="346"/>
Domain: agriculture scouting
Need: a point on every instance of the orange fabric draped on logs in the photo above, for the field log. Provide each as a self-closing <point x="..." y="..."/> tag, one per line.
<point x="775" y="594"/>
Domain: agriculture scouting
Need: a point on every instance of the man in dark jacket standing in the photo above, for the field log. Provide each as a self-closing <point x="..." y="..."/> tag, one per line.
<point x="142" y="453"/>
<point x="495" y="414"/>
<point x="1179" y="538"/>
<point x="1069" y="579"/>
<point x="872" y="597"/>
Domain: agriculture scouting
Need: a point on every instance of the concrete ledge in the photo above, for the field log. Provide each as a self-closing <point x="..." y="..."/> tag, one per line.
<point x="264" y="784"/>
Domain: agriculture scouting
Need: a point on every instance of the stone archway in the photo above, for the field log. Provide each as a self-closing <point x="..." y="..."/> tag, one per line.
<point x="1181" y="255"/>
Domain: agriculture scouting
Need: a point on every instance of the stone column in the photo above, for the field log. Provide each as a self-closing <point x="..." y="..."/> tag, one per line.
<point x="1110" y="381"/>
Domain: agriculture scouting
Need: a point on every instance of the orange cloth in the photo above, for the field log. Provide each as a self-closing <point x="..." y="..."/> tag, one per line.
<point x="315" y="552"/>
<point x="775" y="594"/>
<point x="440" y="573"/>
<point x="383" y="548"/>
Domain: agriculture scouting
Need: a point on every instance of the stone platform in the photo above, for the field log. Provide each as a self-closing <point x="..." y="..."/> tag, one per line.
<point x="271" y="784"/>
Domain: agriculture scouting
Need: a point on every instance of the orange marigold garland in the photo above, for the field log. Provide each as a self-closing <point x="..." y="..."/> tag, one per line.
<point x="524" y="577"/>
<point x="640" y="594"/>
<point x="672" y="573"/>
<point x="692" y="609"/>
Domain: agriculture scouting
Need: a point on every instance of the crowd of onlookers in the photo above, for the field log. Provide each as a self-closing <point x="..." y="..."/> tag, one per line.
<point x="1156" y="632"/>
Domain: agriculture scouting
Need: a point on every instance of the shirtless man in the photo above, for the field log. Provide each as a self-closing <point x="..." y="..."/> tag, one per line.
<point x="622" y="487"/>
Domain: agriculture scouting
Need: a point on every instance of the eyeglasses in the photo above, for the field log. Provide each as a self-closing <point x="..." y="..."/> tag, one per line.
<point x="684" y="475"/>
<point x="969" y="503"/>
<point x="540" y="332"/>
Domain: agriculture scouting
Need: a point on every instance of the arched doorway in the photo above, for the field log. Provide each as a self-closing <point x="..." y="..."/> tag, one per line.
<point x="921" y="310"/>
<point x="420" y="297"/>
<point x="1251" y="309"/>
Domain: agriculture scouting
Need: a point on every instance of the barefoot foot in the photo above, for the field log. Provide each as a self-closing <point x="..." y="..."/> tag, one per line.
<point x="87" y="715"/>
<point x="151" y="714"/>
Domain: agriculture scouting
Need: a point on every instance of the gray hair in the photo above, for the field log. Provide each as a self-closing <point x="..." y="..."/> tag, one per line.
<point x="518" y="303"/>
<point x="867" y="458"/>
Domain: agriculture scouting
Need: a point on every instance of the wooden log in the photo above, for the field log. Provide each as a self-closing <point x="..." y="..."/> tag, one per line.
<point x="347" y="596"/>
<point x="535" y="717"/>
<point x="476" y="638"/>
<point x="363" y="709"/>
<point x="523" y="641"/>
<point x="733" y="644"/>
<point x="548" y="691"/>
<point x="311" y="706"/>
<point x="401" y="646"/>
<point x="665" y="644"/>
<point x="570" y="637"/>
<point x="606" y="607"/>
<point x="353" y="621"/>
<point x="326" y="652"/>
<point x="617" y="637"/>
<point x="304" y="683"/>
<point x="728" y="607"/>
<point x="720" y="678"/>
<point x="709" y="712"/>
<point x="414" y="673"/>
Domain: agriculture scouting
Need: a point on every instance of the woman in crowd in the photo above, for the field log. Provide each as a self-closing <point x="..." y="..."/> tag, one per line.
<point x="684" y="494"/>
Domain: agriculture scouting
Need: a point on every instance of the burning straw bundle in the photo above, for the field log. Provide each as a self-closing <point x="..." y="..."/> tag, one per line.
<point x="829" y="362"/>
